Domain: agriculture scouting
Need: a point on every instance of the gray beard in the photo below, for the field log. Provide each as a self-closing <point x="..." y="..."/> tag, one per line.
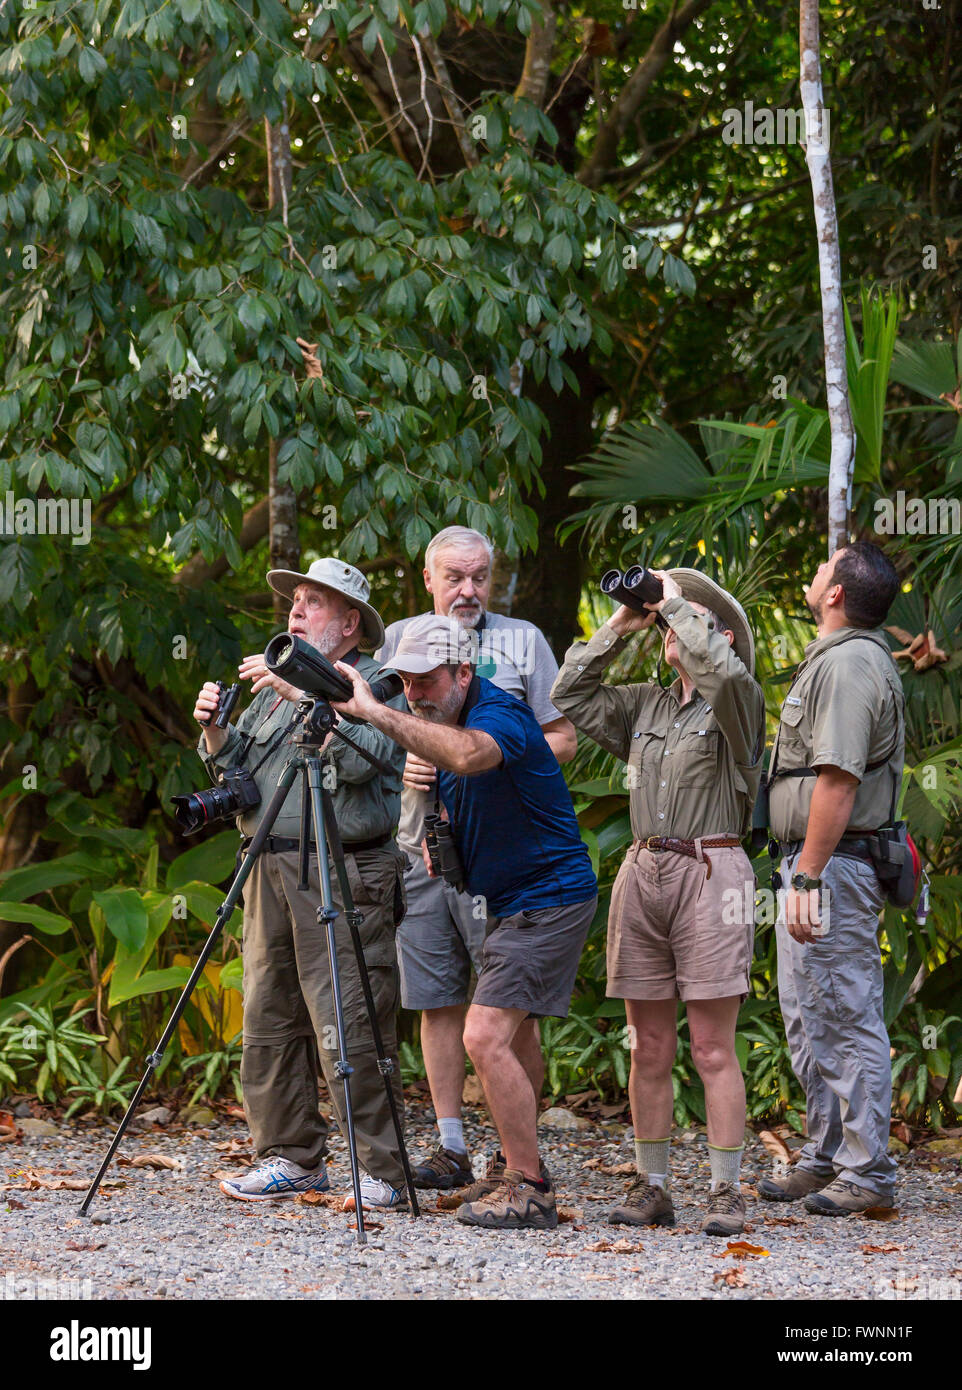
<point x="467" y="617"/>
<point x="437" y="713"/>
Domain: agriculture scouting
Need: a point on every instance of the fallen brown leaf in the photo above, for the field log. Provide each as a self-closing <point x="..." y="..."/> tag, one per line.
<point x="9" y="1129"/>
<point x="784" y="1221"/>
<point x="450" y="1201"/>
<point x="734" y="1278"/>
<point x="887" y="1249"/>
<point x="881" y="1214"/>
<point x="562" y="1254"/>
<point x="566" y="1214"/>
<point x="320" y="1199"/>
<point x="616" y="1247"/>
<point x="778" y="1149"/>
<point x="741" y="1248"/>
<point x="368" y="1225"/>
<point x="226" y="1174"/>
<point x="81" y="1245"/>
<point x="591" y="1275"/>
<point x="152" y="1161"/>
<point x="237" y="1148"/>
<point x="237" y="1111"/>
<point x="14" y="1205"/>
<point x="31" y="1181"/>
<point x="619" y="1170"/>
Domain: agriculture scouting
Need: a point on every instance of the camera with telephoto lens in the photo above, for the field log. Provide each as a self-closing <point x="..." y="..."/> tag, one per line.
<point x="442" y="850"/>
<point x="235" y="793"/>
<point x="304" y="667"/>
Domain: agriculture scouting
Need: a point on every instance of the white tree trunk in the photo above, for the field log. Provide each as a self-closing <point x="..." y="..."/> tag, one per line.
<point x="817" y="126"/>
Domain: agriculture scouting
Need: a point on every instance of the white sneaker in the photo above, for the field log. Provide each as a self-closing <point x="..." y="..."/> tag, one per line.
<point x="377" y="1195"/>
<point x="276" y="1177"/>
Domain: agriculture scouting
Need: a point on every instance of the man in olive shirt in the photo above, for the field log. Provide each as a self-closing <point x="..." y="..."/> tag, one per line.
<point x="835" y="775"/>
<point x="694" y="762"/>
<point x="288" y="1007"/>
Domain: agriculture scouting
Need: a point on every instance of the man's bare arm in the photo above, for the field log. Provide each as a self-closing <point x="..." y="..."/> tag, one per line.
<point x="833" y="797"/>
<point x="561" y="738"/>
<point x="462" y="751"/>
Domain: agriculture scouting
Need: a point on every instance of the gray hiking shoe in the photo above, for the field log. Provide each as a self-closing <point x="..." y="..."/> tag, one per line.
<point x="726" y="1211"/>
<point x="644" y="1204"/>
<point x="844" y="1199"/>
<point x="797" y="1182"/>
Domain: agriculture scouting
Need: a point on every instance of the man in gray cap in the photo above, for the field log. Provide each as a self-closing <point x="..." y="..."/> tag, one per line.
<point x="524" y="866"/>
<point x="694" y="756"/>
<point x="442" y="935"/>
<point x="288" y="1008"/>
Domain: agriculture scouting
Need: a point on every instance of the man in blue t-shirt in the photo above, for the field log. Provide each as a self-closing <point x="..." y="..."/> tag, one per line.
<point x="525" y="865"/>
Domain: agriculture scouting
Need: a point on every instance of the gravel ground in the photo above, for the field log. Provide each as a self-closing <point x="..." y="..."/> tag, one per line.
<point x="171" y="1234"/>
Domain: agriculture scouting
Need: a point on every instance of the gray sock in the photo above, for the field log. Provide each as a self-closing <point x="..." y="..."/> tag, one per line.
<point x="651" y="1157"/>
<point x="725" y="1165"/>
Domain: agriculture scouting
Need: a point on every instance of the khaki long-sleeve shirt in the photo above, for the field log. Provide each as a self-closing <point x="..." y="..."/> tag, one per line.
<point x="692" y="770"/>
<point x="845" y="709"/>
<point x="366" y="802"/>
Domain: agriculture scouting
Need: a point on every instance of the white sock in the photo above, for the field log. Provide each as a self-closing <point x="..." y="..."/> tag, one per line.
<point x="452" y="1135"/>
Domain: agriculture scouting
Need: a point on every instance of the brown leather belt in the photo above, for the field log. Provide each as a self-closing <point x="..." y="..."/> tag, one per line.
<point x="689" y="847"/>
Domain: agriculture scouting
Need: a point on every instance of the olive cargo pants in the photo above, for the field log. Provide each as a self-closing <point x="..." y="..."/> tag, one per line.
<point x="289" y="1009"/>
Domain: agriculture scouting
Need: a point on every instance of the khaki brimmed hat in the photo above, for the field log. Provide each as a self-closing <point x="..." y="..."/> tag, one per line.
<point x="344" y="579"/>
<point x="432" y="641"/>
<point x="698" y="588"/>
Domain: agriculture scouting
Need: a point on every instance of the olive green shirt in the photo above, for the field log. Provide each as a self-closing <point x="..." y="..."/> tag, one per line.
<point x="693" y="770"/>
<point x="366" y="802"/>
<point x="845" y="709"/>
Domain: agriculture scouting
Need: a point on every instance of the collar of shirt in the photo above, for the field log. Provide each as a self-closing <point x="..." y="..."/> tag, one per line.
<point x="845" y="634"/>
<point x="471" y="699"/>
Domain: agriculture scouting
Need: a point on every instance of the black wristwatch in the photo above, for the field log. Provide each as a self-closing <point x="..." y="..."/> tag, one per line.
<point x="803" y="884"/>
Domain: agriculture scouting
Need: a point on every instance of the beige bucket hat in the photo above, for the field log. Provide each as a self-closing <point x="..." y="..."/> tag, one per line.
<point x="698" y="588"/>
<point x="344" y="579"/>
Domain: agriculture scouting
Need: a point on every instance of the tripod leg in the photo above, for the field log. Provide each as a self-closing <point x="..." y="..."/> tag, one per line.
<point x="326" y="916"/>
<point x="385" y="1063"/>
<point x="285" y="782"/>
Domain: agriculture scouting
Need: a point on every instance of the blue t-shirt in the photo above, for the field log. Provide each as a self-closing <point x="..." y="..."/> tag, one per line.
<point x="515" y="825"/>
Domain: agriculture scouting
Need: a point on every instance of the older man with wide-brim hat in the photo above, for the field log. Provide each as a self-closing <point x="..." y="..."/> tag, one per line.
<point x="681" y="922"/>
<point x="288" y="1007"/>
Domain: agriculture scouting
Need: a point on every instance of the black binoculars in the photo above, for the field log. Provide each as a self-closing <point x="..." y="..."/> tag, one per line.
<point x="634" y="588"/>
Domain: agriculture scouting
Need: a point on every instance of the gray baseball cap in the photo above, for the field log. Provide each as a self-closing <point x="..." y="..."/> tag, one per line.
<point x="431" y="641"/>
<point x="344" y="579"/>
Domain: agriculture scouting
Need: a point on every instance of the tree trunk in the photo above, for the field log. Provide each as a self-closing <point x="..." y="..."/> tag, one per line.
<point x="284" y="545"/>
<point x="830" y="277"/>
<point x="548" y="590"/>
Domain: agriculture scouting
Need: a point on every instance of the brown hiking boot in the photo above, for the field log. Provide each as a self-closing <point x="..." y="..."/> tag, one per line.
<point x="644" y="1204"/>
<point x="493" y="1176"/>
<point x="726" y="1211"/>
<point x="844" y="1199"/>
<point x="797" y="1182"/>
<point x="514" y="1205"/>
<point x="446" y="1168"/>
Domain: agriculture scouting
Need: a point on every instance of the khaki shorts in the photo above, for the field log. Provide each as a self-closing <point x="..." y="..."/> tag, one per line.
<point x="676" y="933"/>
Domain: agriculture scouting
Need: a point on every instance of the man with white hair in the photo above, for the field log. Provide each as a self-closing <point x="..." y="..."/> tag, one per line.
<point x="442" y="935"/>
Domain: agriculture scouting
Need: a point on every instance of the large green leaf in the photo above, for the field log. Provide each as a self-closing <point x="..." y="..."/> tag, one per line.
<point x="49" y="922"/>
<point x="125" y="911"/>
<point x="36" y="878"/>
<point x="211" y="861"/>
<point x="151" y="982"/>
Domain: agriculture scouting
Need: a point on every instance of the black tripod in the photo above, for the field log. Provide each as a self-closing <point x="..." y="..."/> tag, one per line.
<point x="315" y="719"/>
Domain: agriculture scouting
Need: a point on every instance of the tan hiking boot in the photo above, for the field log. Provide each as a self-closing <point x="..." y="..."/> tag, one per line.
<point x="797" y="1182"/>
<point x="726" y="1211"/>
<point x="514" y="1205"/>
<point x="445" y="1168"/>
<point x="844" y="1199"/>
<point x="493" y="1176"/>
<point x="644" y="1204"/>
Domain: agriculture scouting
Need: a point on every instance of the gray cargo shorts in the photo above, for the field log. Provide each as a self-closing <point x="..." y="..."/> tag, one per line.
<point x="439" y="940"/>
<point x="531" y="959"/>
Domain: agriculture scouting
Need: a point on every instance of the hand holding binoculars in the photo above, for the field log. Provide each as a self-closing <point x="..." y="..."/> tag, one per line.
<point x="635" y="588"/>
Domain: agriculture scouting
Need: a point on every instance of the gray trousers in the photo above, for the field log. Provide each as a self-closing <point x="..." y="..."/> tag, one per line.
<point x="831" y="998"/>
<point x="289" y="1010"/>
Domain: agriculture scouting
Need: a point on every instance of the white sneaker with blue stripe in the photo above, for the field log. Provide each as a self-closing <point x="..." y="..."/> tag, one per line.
<point x="276" y="1177"/>
<point x="377" y="1195"/>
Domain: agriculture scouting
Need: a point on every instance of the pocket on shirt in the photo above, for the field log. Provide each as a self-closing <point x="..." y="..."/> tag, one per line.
<point x="644" y="754"/>
<point x="697" y="754"/>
